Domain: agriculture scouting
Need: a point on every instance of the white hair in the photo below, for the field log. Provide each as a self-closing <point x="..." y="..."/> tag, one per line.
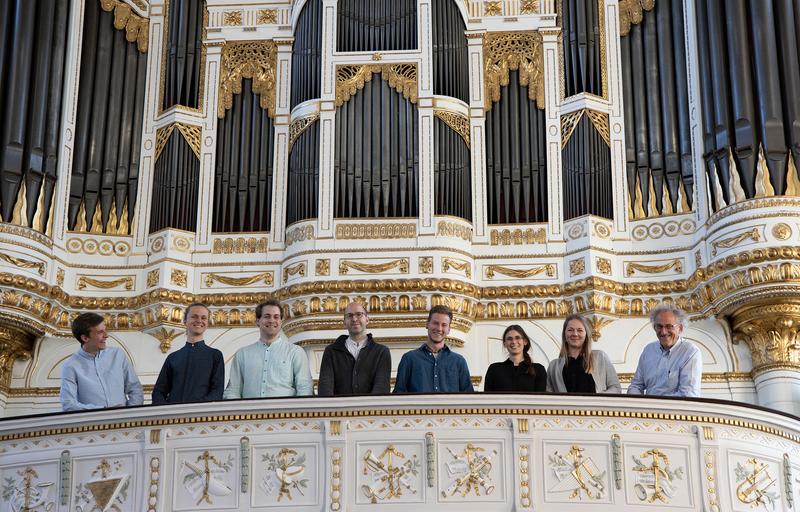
<point x="664" y="307"/>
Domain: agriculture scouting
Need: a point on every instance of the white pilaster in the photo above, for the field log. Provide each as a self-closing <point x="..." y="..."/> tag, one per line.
<point x="208" y="150"/>
<point x="477" y="122"/>
<point x="327" y="118"/>
<point x="280" y="164"/>
<point x="555" y="222"/>
<point x="427" y="192"/>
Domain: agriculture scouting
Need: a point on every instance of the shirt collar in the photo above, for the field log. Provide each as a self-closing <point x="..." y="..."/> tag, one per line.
<point x="197" y="343"/>
<point x="670" y="349"/>
<point x="424" y="348"/>
<point x="88" y="355"/>
<point x="281" y="338"/>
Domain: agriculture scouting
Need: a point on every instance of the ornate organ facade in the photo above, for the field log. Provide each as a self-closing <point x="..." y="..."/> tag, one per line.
<point x="517" y="160"/>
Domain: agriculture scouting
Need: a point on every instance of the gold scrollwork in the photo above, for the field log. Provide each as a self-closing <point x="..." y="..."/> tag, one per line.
<point x="633" y="267"/>
<point x="300" y="125"/>
<point x="425" y="265"/>
<point x="401" y="264"/>
<point x="631" y="12"/>
<point x="375" y="231"/>
<point x="84" y="281"/>
<point x="137" y="29"/>
<point x="453" y="229"/>
<point x="179" y="277"/>
<point x="300" y="234"/>
<point x="517" y="236"/>
<point x="462" y="266"/>
<point x="571" y="120"/>
<point x="152" y="278"/>
<point x="727" y="243"/>
<point x="248" y="59"/>
<point x="299" y="269"/>
<point x="600" y="122"/>
<point x="323" y="267"/>
<point x="457" y="122"/>
<point x="771" y="332"/>
<point x="577" y="267"/>
<point x="266" y="278"/>
<point x="549" y="269"/>
<point x="493" y="8"/>
<point x="239" y="246"/>
<point x="351" y="78"/>
<point x="23" y="263"/>
<point x="510" y="51"/>
<point x="266" y="17"/>
<point x="529" y="7"/>
<point x="232" y="18"/>
<point x="165" y="338"/>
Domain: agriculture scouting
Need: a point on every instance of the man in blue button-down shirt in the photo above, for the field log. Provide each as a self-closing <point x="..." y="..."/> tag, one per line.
<point x="433" y="367"/>
<point x="97" y="376"/>
<point x="671" y="366"/>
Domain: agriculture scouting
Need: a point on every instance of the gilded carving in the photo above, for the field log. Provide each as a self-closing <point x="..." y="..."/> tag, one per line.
<point x="104" y="247"/>
<point x="375" y="231"/>
<point x="401" y="264"/>
<point x="491" y="270"/>
<point x="107" y="489"/>
<point x="60" y="277"/>
<point x="517" y="236"/>
<point x="26" y="492"/>
<point x="15" y="344"/>
<point x="597" y="323"/>
<point x="285" y="473"/>
<point x="470" y="472"/>
<point x="459" y="123"/>
<point x="781" y="231"/>
<point x="232" y="18"/>
<point x="178" y="277"/>
<point x="577" y="474"/>
<point x="492" y="8"/>
<point x="571" y="120"/>
<point x="300" y="125"/>
<point x="352" y="77"/>
<point x="655" y="479"/>
<point x="248" y="59"/>
<point x="266" y="17"/>
<point x="300" y="234"/>
<point x="529" y="7"/>
<point x="266" y="278"/>
<point x="631" y="12"/>
<point x="204" y="478"/>
<point x="727" y="243"/>
<point x="709" y="465"/>
<point x="297" y="269"/>
<point x="181" y="244"/>
<point x="461" y="266"/>
<point x="137" y="29"/>
<point x="755" y="486"/>
<point x="239" y="245"/>
<point x="577" y="267"/>
<point x="600" y="122"/>
<point x="511" y="51"/>
<point x="155" y="474"/>
<point x="84" y="281"/>
<point x="152" y="278"/>
<point x="632" y="267"/>
<point x="455" y="230"/>
<point x="426" y="265"/>
<point x="323" y="267"/>
<point x="23" y="263"/>
<point x="389" y="471"/>
<point x="524" y="476"/>
<point x="165" y="338"/>
<point x="336" y="476"/>
<point x="772" y="332"/>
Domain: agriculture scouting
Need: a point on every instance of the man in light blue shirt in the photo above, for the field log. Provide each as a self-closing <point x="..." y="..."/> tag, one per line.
<point x="671" y="366"/>
<point x="272" y="366"/>
<point x="96" y="376"/>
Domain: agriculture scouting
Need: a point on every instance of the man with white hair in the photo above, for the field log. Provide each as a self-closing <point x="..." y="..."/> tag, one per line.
<point x="671" y="366"/>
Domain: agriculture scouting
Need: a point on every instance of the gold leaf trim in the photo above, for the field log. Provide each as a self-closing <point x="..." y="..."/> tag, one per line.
<point x="265" y="277"/>
<point x="23" y="263"/>
<point x="374" y="268"/>
<point x="298" y="126"/>
<point x="266" y="17"/>
<point x="162" y="136"/>
<point x="136" y="28"/>
<point x="631" y="12"/>
<point x="249" y="59"/>
<point x="632" y="267"/>
<point x="600" y="122"/>
<point x="232" y="18"/>
<point x="461" y="266"/>
<point x="84" y="281"/>
<point x="493" y="8"/>
<point x="375" y="231"/>
<point x="529" y="7"/>
<point x="517" y="236"/>
<point x="727" y="243"/>
<point x="299" y="269"/>
<point x="351" y="78"/>
<point x="510" y="51"/>
<point x="191" y="134"/>
<point x="568" y="124"/>
<point x="459" y="123"/>
<point x="549" y="269"/>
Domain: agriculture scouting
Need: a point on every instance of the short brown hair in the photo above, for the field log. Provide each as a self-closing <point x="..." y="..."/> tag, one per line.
<point x="440" y="309"/>
<point x="83" y="323"/>
<point x="268" y="302"/>
<point x="192" y="305"/>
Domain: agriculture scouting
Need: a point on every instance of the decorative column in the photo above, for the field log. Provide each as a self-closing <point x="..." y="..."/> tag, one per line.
<point x="477" y="122"/>
<point x="327" y="123"/>
<point x="15" y="343"/>
<point x="772" y="331"/>
<point x="208" y="148"/>
<point x="427" y="200"/>
<point x="555" y="219"/>
<point x="280" y="166"/>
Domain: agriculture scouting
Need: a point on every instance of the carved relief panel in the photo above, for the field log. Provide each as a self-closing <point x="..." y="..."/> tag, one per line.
<point x="205" y="480"/>
<point x="286" y="475"/>
<point x="658" y="475"/>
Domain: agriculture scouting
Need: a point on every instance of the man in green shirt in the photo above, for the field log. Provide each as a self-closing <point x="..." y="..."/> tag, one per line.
<point x="272" y="366"/>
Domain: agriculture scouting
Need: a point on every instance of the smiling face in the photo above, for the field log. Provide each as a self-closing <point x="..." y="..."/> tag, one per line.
<point x="438" y="328"/>
<point x="515" y="343"/>
<point x="575" y="335"/>
<point x="96" y="340"/>
<point x="668" y="328"/>
<point x="196" y="323"/>
<point x="269" y="324"/>
<point x="356" y="320"/>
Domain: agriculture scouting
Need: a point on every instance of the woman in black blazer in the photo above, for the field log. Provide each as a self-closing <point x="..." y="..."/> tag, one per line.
<point x="518" y="372"/>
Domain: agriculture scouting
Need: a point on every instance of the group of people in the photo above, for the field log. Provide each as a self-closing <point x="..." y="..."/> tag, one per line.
<point x="97" y="376"/>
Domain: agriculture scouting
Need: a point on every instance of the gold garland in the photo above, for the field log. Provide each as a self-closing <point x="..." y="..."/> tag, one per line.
<point x="631" y="12"/>
<point x="459" y="123"/>
<point x="351" y="78"/>
<point x="632" y="267"/>
<point x="265" y="277"/>
<point x="491" y="270"/>
<point x="374" y="268"/>
<point x="248" y="59"/>
<point x="137" y="29"/>
<point x="21" y="263"/>
<point x="511" y="51"/>
<point x="83" y="281"/>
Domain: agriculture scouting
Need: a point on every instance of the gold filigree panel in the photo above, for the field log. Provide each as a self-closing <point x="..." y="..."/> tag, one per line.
<point x="351" y="78"/>
<point x="375" y="231"/>
<point x="511" y="51"/>
<point x="571" y="120"/>
<point x="190" y="133"/>
<point x="248" y="59"/>
<point x="137" y="29"/>
<point x="631" y="12"/>
<point x="457" y="122"/>
<point x="298" y="126"/>
<point x="517" y="236"/>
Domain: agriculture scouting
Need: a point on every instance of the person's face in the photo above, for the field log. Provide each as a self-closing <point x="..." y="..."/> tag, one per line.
<point x="96" y="340"/>
<point x="514" y="343"/>
<point x="438" y="328"/>
<point x="270" y="322"/>
<point x="196" y="321"/>
<point x="667" y="328"/>
<point x="575" y="334"/>
<point x="355" y="319"/>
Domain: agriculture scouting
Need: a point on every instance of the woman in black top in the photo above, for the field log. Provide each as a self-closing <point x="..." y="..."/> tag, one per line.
<point x="518" y="372"/>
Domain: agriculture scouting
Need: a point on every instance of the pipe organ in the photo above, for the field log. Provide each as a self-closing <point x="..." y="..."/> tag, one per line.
<point x="516" y="160"/>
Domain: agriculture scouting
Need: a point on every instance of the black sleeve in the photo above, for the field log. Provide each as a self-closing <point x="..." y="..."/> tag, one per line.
<point x="489" y="382"/>
<point x="380" y="386"/>
<point x="163" y="386"/>
<point x="217" y="383"/>
<point x="325" y="386"/>
<point x="540" y="384"/>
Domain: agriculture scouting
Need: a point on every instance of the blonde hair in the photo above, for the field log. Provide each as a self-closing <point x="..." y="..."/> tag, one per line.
<point x="586" y="350"/>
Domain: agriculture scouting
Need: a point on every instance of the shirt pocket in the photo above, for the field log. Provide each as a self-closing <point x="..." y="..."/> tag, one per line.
<point x="673" y="379"/>
<point x="283" y="372"/>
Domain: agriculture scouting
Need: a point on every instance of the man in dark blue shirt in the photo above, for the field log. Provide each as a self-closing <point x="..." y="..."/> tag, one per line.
<point x="433" y="367"/>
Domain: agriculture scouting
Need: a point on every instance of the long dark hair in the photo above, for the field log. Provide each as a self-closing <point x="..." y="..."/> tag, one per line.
<point x="525" y="355"/>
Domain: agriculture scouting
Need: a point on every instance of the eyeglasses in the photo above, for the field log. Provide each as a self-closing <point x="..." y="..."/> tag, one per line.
<point x="359" y="315"/>
<point x="666" y="327"/>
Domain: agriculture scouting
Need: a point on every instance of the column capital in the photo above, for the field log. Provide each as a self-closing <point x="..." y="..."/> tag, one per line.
<point x="772" y="332"/>
<point x="15" y="343"/>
